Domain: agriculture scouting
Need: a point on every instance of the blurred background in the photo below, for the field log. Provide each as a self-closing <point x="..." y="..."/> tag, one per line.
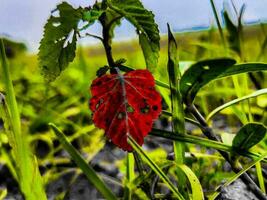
<point x="24" y="20"/>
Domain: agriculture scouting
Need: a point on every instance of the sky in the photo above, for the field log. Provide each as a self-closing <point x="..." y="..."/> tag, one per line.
<point x="24" y="20"/>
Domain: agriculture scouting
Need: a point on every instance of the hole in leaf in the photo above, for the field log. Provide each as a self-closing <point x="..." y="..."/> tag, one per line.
<point x="130" y="109"/>
<point x="155" y="108"/>
<point x="56" y="24"/>
<point x="82" y="24"/>
<point x="69" y="39"/>
<point x="99" y="103"/>
<point x="206" y="67"/>
<point x="121" y="115"/>
<point x="189" y="84"/>
<point x="107" y="121"/>
<point x="145" y="109"/>
<point x="55" y="13"/>
<point x="59" y="40"/>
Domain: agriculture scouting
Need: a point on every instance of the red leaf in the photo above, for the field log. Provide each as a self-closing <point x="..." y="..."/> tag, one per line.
<point x="125" y="104"/>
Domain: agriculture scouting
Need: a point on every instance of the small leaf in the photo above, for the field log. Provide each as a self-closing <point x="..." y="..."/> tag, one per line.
<point x="58" y="45"/>
<point x="200" y="74"/>
<point x="249" y="135"/>
<point x="205" y="71"/>
<point x="102" y="71"/>
<point x="125" y="104"/>
<point x="147" y="29"/>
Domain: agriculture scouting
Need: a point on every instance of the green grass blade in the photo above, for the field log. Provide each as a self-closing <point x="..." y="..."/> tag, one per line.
<point x="3" y="193"/>
<point x="129" y="176"/>
<point x="260" y="177"/>
<point x="162" y="84"/>
<point x="236" y="176"/>
<point x="82" y="164"/>
<point x="154" y="167"/>
<point x="235" y="101"/>
<point x="197" y="192"/>
<point x="218" y="23"/>
<point x="178" y="121"/>
<point x="29" y="177"/>
<point x="203" y="142"/>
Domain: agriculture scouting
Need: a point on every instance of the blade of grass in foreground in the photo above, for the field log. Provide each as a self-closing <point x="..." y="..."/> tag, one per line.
<point x="129" y="176"/>
<point x="197" y="192"/>
<point x="154" y="167"/>
<point x="236" y="176"/>
<point x="178" y="121"/>
<point x="235" y="101"/>
<point x="29" y="178"/>
<point x="203" y="142"/>
<point x="82" y="164"/>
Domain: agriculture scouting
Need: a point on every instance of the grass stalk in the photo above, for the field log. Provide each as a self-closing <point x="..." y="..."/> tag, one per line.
<point x="82" y="164"/>
<point x="29" y="178"/>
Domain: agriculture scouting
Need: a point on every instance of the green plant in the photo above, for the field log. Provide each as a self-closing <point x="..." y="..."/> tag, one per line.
<point x="186" y="93"/>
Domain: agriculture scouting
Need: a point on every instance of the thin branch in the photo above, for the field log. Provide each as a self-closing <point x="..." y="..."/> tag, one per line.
<point x="94" y="36"/>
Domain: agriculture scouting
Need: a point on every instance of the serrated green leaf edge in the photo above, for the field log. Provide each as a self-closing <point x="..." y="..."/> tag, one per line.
<point x="58" y="45"/>
<point x="147" y="29"/>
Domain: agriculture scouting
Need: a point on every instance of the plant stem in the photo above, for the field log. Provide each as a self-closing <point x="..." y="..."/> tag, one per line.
<point x="107" y="39"/>
<point x="203" y="142"/>
<point x="107" y="46"/>
<point x="235" y="165"/>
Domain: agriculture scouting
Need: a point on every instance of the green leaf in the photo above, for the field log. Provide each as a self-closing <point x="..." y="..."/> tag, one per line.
<point x="147" y="29"/>
<point x="58" y="45"/>
<point x="249" y="135"/>
<point x="205" y="71"/>
<point x="197" y="192"/>
<point x="235" y="101"/>
<point x="82" y="164"/>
